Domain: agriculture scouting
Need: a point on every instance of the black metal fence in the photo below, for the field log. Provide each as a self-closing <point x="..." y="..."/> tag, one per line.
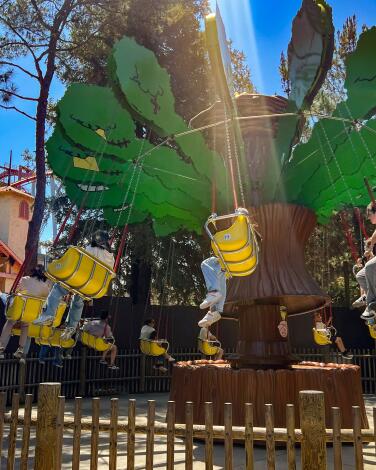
<point x="84" y="376"/>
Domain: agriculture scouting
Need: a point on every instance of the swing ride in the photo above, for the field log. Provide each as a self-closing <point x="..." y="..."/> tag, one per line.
<point x="208" y="347"/>
<point x="154" y="348"/>
<point x="123" y="150"/>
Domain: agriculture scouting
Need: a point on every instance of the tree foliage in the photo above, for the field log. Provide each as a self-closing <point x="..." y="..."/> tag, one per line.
<point x="33" y="36"/>
<point x="241" y="72"/>
<point x="166" y="269"/>
<point x="328" y="255"/>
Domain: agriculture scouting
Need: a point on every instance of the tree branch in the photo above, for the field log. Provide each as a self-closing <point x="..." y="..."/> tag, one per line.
<point x="18" y="111"/>
<point x="39" y="14"/>
<point x="9" y="92"/>
<point x="9" y="25"/>
<point x="11" y="64"/>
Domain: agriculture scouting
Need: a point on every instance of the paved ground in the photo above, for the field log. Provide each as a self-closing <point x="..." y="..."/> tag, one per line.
<point x="160" y="443"/>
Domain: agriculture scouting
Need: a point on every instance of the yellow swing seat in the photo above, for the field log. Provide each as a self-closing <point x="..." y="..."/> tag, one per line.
<point x="27" y="308"/>
<point x="372" y="331"/>
<point x="94" y="342"/>
<point x="81" y="273"/>
<point x="48" y="336"/>
<point x="207" y="347"/>
<point x="322" y="338"/>
<point x="236" y="247"/>
<point x="153" y="347"/>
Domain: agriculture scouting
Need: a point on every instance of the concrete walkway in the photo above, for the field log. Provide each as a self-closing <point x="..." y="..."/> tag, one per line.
<point x="160" y="442"/>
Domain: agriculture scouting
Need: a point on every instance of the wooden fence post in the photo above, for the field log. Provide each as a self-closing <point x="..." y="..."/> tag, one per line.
<point x="82" y="384"/>
<point x="312" y="423"/>
<point x="47" y="434"/>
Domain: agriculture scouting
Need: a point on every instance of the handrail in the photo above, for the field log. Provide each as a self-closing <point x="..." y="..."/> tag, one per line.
<point x="199" y="430"/>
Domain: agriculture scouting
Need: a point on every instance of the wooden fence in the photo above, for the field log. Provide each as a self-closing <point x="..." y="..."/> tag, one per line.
<point x="84" y="376"/>
<point x="59" y="440"/>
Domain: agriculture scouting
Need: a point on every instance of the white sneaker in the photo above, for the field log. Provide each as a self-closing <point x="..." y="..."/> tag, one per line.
<point x="19" y="353"/>
<point x="367" y="314"/>
<point x="211" y="299"/>
<point x="209" y="319"/>
<point x="361" y="302"/>
<point x="44" y="320"/>
<point x="68" y="333"/>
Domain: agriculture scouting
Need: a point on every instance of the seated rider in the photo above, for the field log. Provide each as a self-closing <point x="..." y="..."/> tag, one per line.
<point x="366" y="277"/>
<point x="37" y="285"/>
<point x="100" y="248"/>
<point x="358" y="266"/>
<point x="148" y="332"/>
<point x="101" y="329"/>
<point x="321" y="327"/>
<point x="206" y="335"/>
<point x="215" y="279"/>
<point x="57" y="356"/>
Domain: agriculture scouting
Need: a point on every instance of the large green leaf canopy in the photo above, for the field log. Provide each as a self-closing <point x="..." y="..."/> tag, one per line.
<point x="328" y="171"/>
<point x="102" y="148"/>
<point x="124" y="149"/>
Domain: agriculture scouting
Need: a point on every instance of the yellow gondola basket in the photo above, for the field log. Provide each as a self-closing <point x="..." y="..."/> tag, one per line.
<point x="207" y="347"/>
<point x="27" y="308"/>
<point x="99" y="344"/>
<point x="81" y="273"/>
<point x="47" y="336"/>
<point x="321" y="337"/>
<point x="153" y="348"/>
<point x="372" y="330"/>
<point x="236" y="247"/>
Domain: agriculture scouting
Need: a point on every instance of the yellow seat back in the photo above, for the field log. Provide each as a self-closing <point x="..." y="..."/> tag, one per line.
<point x="236" y="247"/>
<point x="152" y="348"/>
<point x="24" y="307"/>
<point x="81" y="273"/>
<point x="47" y="336"/>
<point x="208" y="348"/>
<point x="59" y="314"/>
<point x="93" y="342"/>
<point x="235" y="237"/>
<point x="372" y="331"/>
<point x="321" y="338"/>
<point x="52" y="337"/>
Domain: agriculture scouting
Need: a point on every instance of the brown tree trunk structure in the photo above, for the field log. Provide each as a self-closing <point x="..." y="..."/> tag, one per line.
<point x="260" y="344"/>
<point x="261" y="373"/>
<point x="281" y="277"/>
<point x="217" y="382"/>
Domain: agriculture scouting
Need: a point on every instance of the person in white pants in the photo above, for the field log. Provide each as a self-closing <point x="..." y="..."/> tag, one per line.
<point x="366" y="277"/>
<point x="215" y="280"/>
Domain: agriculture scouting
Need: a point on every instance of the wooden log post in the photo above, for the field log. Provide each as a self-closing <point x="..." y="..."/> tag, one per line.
<point x="170" y="418"/>
<point x="47" y="434"/>
<point x="26" y="433"/>
<point x="312" y="423"/>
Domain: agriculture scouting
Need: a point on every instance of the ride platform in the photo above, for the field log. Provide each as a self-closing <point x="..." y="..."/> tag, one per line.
<point x="217" y="382"/>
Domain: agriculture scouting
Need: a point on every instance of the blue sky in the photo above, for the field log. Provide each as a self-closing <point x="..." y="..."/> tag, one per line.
<point x="261" y="29"/>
